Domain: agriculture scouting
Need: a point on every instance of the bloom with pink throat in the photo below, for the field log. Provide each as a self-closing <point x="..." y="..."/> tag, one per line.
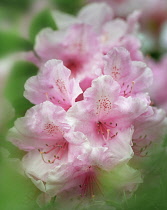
<point x="76" y="46"/>
<point x="58" y="160"/>
<point x="53" y="83"/>
<point x="81" y="43"/>
<point x="103" y="112"/>
<point x="133" y="76"/>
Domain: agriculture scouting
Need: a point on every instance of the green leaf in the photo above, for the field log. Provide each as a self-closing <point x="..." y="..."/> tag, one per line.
<point x="17" y="192"/>
<point x="11" y="42"/>
<point x="20" y="72"/>
<point x="42" y="20"/>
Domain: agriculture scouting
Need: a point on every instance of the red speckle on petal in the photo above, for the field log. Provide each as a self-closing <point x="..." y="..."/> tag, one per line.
<point x="51" y="129"/>
<point x="61" y="85"/>
<point x="115" y="73"/>
<point x="104" y="105"/>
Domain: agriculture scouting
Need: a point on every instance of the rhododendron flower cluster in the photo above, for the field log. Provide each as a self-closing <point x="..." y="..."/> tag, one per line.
<point x="150" y="7"/>
<point x="153" y="19"/>
<point x="92" y="109"/>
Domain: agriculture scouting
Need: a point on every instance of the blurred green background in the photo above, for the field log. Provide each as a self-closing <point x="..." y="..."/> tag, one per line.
<point x="18" y="27"/>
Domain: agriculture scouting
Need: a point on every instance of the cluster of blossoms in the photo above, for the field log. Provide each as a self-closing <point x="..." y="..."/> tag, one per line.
<point x="153" y="20"/>
<point x="92" y="110"/>
<point x="151" y="8"/>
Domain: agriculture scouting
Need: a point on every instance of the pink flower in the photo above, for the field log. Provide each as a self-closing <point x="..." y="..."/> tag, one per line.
<point x="150" y="127"/>
<point x="53" y="83"/>
<point x="133" y="76"/>
<point x="81" y="44"/>
<point x="119" y="32"/>
<point x="78" y="177"/>
<point x="124" y="7"/>
<point x="104" y="156"/>
<point x="43" y="128"/>
<point x="152" y="20"/>
<point x="54" y="151"/>
<point x="76" y="47"/>
<point x="91" y="14"/>
<point x="92" y="111"/>
<point x="83" y="165"/>
<point x="51" y="176"/>
<point x="104" y="113"/>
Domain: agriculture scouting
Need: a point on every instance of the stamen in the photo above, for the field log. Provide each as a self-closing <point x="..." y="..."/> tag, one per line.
<point x="128" y="89"/>
<point x="140" y="150"/>
<point x="105" y="130"/>
<point x="47" y="97"/>
<point x="59" y="149"/>
<point x="90" y="185"/>
<point x="108" y="133"/>
<point x="114" y="135"/>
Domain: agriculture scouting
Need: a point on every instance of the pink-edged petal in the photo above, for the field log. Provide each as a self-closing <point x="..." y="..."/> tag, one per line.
<point x="133" y="45"/>
<point x="76" y="46"/>
<point x="47" y="44"/>
<point x="133" y="76"/>
<point x="149" y="128"/>
<point x="142" y="75"/>
<point x="43" y="124"/>
<point x="101" y="95"/>
<point x="49" y="178"/>
<point x="94" y="15"/>
<point x="118" y="64"/>
<point x="133" y="21"/>
<point x="112" y="32"/>
<point x="53" y="84"/>
<point x="132" y="107"/>
<point x="117" y="151"/>
<point x="103" y="112"/>
<point x="81" y="38"/>
<point x="34" y="167"/>
<point x="81" y="118"/>
<point x="64" y="20"/>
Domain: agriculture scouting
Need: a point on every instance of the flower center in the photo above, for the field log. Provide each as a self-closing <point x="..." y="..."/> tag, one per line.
<point x="104" y="129"/>
<point x="90" y="185"/>
<point x="56" y="152"/>
<point x="74" y="65"/>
